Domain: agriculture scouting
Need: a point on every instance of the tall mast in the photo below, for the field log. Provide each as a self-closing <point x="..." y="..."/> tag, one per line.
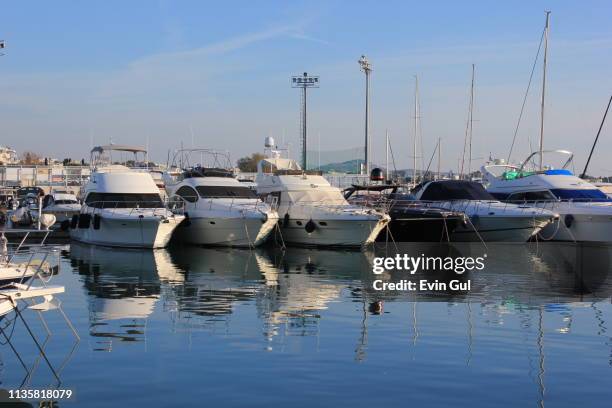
<point x="471" y="122"/>
<point x="416" y="129"/>
<point x="467" y="142"/>
<point x="387" y="154"/>
<point x="439" y="155"/>
<point x="546" y="28"/>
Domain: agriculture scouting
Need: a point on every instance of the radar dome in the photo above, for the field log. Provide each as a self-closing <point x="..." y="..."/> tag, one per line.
<point x="270" y="142"/>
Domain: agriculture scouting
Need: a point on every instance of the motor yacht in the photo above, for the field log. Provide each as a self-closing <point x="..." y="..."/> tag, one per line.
<point x="585" y="211"/>
<point x="313" y="212"/>
<point x="63" y="205"/>
<point x="488" y="219"/>
<point x="220" y="209"/>
<point x="122" y="206"/>
<point x="411" y="221"/>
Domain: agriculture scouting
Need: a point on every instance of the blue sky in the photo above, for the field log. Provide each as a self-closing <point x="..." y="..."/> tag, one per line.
<point x="217" y="74"/>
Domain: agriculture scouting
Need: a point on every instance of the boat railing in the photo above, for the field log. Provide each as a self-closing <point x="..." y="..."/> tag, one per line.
<point x="34" y="259"/>
<point x="465" y="206"/>
<point x="556" y="204"/>
<point x="228" y="203"/>
<point x="460" y="206"/>
<point x="157" y="207"/>
<point x="332" y="206"/>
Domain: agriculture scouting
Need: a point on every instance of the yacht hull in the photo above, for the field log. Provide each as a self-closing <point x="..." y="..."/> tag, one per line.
<point x="333" y="233"/>
<point x="499" y="229"/>
<point x="146" y="232"/>
<point x="581" y="228"/>
<point x="233" y="232"/>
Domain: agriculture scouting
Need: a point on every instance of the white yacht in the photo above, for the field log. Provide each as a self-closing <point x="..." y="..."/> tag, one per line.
<point x="220" y="210"/>
<point x="122" y="206"/>
<point x="62" y="204"/>
<point x="489" y="219"/>
<point x="585" y="211"/>
<point x="312" y="212"/>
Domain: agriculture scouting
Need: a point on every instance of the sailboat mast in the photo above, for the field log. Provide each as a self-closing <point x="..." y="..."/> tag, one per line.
<point x="546" y="28"/>
<point x="416" y="129"/>
<point x="387" y="154"/>
<point x="439" y="155"/>
<point x="471" y="122"/>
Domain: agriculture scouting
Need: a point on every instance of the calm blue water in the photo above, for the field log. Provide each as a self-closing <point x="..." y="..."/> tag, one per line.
<point x="215" y="327"/>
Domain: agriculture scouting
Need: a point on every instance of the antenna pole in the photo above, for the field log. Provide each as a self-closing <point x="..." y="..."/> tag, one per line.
<point x="586" y="166"/>
<point x="546" y="28"/>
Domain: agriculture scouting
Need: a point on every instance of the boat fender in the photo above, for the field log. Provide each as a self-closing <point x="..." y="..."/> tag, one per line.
<point x="286" y="220"/>
<point x="84" y="220"/>
<point x="65" y="225"/>
<point x="96" y="221"/>
<point x="310" y="226"/>
<point x="264" y="219"/>
<point x="569" y="220"/>
<point x="74" y="221"/>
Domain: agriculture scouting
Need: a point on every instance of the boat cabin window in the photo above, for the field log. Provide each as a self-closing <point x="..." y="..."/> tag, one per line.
<point x="188" y="194"/>
<point x="124" y="200"/>
<point x="523" y="196"/>
<point x="225" y="192"/>
<point x="47" y="201"/>
<point x="66" y="202"/>
<point x="577" y="195"/>
<point x="455" y="190"/>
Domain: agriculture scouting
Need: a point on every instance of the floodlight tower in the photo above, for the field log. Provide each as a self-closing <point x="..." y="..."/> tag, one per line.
<point x="303" y="82"/>
<point x="366" y="67"/>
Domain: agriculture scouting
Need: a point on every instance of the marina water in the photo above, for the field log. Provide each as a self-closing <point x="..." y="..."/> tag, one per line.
<point x="191" y="326"/>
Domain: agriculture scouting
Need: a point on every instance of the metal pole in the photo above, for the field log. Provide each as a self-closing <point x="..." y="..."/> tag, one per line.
<point x="367" y="123"/>
<point x="304" y="162"/>
<point x="367" y="69"/>
<point x="586" y="166"/>
<point x="387" y="154"/>
<point x="546" y="28"/>
<point x="416" y="129"/>
<point x="471" y="124"/>
<point x="439" y="155"/>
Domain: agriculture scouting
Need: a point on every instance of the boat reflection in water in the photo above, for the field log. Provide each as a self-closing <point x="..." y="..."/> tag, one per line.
<point x="289" y="287"/>
<point x="290" y="291"/>
<point x="123" y="287"/>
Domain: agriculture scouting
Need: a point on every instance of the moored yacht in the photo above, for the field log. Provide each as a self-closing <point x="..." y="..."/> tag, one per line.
<point x="411" y="221"/>
<point x="313" y="212"/>
<point x="220" y="209"/>
<point x="489" y="219"/>
<point x="585" y="211"/>
<point x="122" y="206"/>
<point x="62" y="204"/>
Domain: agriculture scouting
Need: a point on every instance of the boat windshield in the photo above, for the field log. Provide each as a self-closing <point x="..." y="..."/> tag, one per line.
<point x="225" y="192"/>
<point x="455" y="190"/>
<point x="66" y="202"/>
<point x="580" y="195"/>
<point x="124" y="200"/>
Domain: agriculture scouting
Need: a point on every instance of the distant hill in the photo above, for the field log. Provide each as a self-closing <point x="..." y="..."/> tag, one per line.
<point x="333" y="156"/>
<point x="350" y="166"/>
